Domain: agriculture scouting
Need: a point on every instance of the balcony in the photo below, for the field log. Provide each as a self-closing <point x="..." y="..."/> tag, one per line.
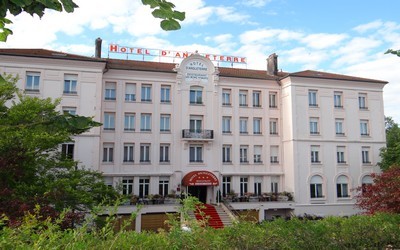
<point x="198" y="134"/>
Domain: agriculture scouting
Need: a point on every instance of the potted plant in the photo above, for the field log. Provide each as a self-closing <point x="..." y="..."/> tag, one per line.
<point x="171" y="198"/>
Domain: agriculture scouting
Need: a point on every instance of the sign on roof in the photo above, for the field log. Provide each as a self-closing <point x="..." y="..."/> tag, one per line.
<point x="115" y="48"/>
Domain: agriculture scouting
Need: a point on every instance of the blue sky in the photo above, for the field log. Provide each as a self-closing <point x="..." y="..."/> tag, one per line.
<point x="341" y="36"/>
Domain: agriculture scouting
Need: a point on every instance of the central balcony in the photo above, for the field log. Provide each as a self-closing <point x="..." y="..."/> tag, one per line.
<point x="198" y="134"/>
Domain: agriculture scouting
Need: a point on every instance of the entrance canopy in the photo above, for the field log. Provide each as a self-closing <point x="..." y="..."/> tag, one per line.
<point x="200" y="178"/>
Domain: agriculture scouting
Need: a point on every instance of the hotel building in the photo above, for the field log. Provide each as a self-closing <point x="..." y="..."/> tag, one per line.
<point x="212" y="131"/>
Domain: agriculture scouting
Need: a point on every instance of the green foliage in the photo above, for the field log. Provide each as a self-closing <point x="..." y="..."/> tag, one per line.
<point x="390" y="155"/>
<point x="391" y="51"/>
<point x="380" y="231"/>
<point x="162" y="9"/>
<point x="165" y="10"/>
<point x="32" y="170"/>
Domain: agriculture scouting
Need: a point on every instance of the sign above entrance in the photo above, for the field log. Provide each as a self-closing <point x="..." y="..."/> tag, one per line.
<point x="115" y="48"/>
<point x="200" y="178"/>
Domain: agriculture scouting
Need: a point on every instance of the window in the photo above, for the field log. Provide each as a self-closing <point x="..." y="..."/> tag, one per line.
<point x="243" y="98"/>
<point x="314" y="129"/>
<point x="316" y="187"/>
<point x="256" y="98"/>
<point x="243" y="125"/>
<point x="257" y="185"/>
<point x="365" y="155"/>
<point x="244" y="182"/>
<point x="257" y="126"/>
<point x="70" y="82"/>
<point x="32" y="81"/>
<point x="165" y="123"/>
<point x="272" y="99"/>
<point x="146" y="93"/>
<point x="128" y="152"/>
<point x="67" y="150"/>
<point x="257" y="154"/>
<point x="362" y="101"/>
<point x="163" y="186"/>
<point x="145" y="122"/>
<point x="275" y="184"/>
<point x="340" y="154"/>
<point x="109" y="121"/>
<point x="164" y="153"/>
<point x="273" y="126"/>
<point x="274" y="154"/>
<point x="315" y="154"/>
<point x="312" y="98"/>
<point x="127" y="186"/>
<point x="109" y="92"/>
<point x="196" y="95"/>
<point x="342" y="189"/>
<point x="243" y="152"/>
<point x="339" y="127"/>
<point x="108" y="152"/>
<point x="226" y="97"/>
<point x="144" y="186"/>
<point x="165" y="94"/>
<point x="144" y="152"/>
<point x="226" y="125"/>
<point x="69" y="110"/>
<point x="196" y="124"/>
<point x="337" y="99"/>
<point x="226" y="153"/>
<point x="196" y="153"/>
<point x="364" y="128"/>
<point x="129" y="122"/>
<point x="226" y="185"/>
<point x="130" y="92"/>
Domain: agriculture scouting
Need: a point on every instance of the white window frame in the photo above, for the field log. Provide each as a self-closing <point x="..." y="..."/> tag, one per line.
<point x="364" y="130"/>
<point x="226" y="124"/>
<point x="164" y="153"/>
<point x="165" y="94"/>
<point x="109" y="121"/>
<point x="257" y="153"/>
<point x="313" y="98"/>
<point x="144" y="187"/>
<point x="165" y="123"/>
<point x="70" y="84"/>
<point x="342" y="187"/>
<point x="273" y="99"/>
<point x="340" y="154"/>
<point x="226" y="97"/>
<point x="195" y="153"/>
<point x="314" y="126"/>
<point x="339" y="127"/>
<point x="338" y="99"/>
<point x="127" y="185"/>
<point x="129" y="121"/>
<point x="243" y="121"/>
<point x="108" y="152"/>
<point x="243" y="98"/>
<point x="129" y="152"/>
<point x="196" y="95"/>
<point x="257" y="121"/>
<point x="227" y="153"/>
<point x="145" y="150"/>
<point x="32" y="81"/>
<point x="273" y="126"/>
<point x="130" y="92"/>
<point x="110" y="91"/>
<point x="365" y="155"/>
<point x="244" y="154"/>
<point x="362" y="101"/>
<point x="145" y="122"/>
<point x="257" y="99"/>
<point x="315" y="157"/>
<point x="274" y="154"/>
<point x="146" y="93"/>
<point x="316" y="187"/>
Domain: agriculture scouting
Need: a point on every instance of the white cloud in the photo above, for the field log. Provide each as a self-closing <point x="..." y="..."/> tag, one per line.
<point x="368" y="26"/>
<point x="255" y="3"/>
<point x="308" y="59"/>
<point x="323" y="40"/>
<point x="268" y="36"/>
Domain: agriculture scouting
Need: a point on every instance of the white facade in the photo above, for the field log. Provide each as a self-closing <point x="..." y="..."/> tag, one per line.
<point x="314" y="134"/>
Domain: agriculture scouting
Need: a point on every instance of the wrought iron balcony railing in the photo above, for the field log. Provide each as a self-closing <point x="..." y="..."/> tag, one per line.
<point x="203" y="134"/>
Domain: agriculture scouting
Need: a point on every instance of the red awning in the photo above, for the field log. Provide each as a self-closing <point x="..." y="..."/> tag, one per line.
<point x="200" y="178"/>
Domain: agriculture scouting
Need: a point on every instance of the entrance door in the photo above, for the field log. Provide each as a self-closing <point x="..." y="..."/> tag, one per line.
<point x="199" y="191"/>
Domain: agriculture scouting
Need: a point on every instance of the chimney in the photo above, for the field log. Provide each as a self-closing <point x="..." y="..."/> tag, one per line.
<point x="97" y="52"/>
<point x="272" y="65"/>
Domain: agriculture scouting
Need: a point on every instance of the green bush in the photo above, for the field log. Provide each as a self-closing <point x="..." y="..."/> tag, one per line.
<point x="379" y="231"/>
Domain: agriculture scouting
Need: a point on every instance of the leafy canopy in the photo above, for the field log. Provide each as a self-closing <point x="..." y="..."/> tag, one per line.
<point x="390" y="155"/>
<point x="33" y="171"/>
<point x="162" y="9"/>
<point x="383" y="195"/>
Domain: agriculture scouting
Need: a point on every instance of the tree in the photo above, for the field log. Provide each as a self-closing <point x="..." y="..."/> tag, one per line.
<point x="383" y="195"/>
<point x="390" y="155"/>
<point x="391" y="51"/>
<point x="162" y="9"/>
<point x="33" y="171"/>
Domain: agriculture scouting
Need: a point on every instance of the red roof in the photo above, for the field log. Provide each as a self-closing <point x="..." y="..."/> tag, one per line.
<point x="168" y="67"/>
